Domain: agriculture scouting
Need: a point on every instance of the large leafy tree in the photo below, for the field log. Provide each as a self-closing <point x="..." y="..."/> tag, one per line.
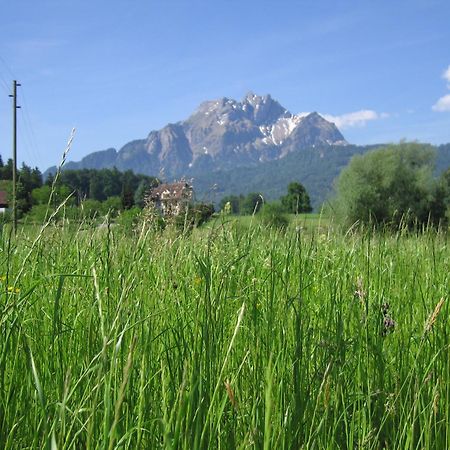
<point x="390" y="185"/>
<point x="252" y="203"/>
<point x="297" y="199"/>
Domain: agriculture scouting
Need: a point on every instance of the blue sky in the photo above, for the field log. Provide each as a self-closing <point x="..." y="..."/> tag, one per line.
<point x="115" y="70"/>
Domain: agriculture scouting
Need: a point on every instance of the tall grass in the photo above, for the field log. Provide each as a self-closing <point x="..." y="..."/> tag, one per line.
<point x="227" y="338"/>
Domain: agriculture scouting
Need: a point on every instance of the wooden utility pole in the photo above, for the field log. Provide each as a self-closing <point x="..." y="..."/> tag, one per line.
<point x="14" y="166"/>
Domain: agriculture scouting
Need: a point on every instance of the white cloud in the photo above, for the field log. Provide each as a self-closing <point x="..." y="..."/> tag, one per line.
<point x="354" y="119"/>
<point x="443" y="104"/>
<point x="446" y="75"/>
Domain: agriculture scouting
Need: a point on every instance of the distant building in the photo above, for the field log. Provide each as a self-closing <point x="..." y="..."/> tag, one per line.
<point x="171" y="198"/>
<point x="3" y="201"/>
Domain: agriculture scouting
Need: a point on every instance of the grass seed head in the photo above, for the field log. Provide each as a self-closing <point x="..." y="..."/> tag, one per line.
<point x="230" y="394"/>
<point x="388" y="325"/>
<point x="359" y="292"/>
<point x="433" y="317"/>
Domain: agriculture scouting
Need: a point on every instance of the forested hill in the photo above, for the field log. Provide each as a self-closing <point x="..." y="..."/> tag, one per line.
<point x="316" y="170"/>
<point x="442" y="158"/>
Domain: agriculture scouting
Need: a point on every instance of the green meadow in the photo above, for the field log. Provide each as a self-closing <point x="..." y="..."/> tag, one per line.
<point x="232" y="336"/>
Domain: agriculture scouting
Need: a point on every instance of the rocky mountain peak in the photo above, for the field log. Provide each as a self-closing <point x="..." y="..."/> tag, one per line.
<point x="314" y="116"/>
<point x="263" y="110"/>
<point x="254" y="99"/>
<point x="313" y="131"/>
<point x="226" y="133"/>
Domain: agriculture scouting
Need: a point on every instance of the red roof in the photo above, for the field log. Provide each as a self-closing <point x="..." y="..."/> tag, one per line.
<point x="3" y="199"/>
<point x="171" y="191"/>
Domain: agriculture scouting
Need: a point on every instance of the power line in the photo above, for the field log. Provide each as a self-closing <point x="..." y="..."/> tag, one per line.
<point x="2" y="80"/>
<point x="25" y="134"/>
<point x="3" y="83"/>
<point x="29" y="127"/>
<point x="2" y="60"/>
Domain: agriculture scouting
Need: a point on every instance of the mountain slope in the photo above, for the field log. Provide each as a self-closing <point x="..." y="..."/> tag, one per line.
<point x="220" y="134"/>
<point x="316" y="168"/>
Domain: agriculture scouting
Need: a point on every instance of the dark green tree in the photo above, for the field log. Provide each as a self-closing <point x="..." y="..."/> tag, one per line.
<point x="36" y="178"/>
<point x="444" y="193"/>
<point x="252" y="203"/>
<point x="234" y="201"/>
<point x="112" y="183"/>
<point x="6" y="170"/>
<point x="297" y="199"/>
<point x="28" y="179"/>
<point x="49" y="180"/>
<point x="96" y="188"/>
<point x="141" y="191"/>
<point x="127" y="196"/>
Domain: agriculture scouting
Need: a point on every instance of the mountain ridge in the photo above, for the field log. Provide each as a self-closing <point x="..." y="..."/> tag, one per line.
<point x="231" y="147"/>
<point x="219" y="134"/>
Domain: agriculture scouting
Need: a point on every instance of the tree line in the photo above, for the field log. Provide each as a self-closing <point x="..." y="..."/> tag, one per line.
<point x="390" y="186"/>
<point x="93" y="190"/>
<point x="98" y="191"/>
<point x="294" y="202"/>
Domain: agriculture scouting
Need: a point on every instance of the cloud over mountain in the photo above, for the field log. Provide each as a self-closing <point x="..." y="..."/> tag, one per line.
<point x="353" y="119"/>
<point x="446" y="75"/>
<point x="443" y="104"/>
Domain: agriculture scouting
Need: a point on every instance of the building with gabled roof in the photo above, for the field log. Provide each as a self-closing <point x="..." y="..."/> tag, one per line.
<point x="171" y="198"/>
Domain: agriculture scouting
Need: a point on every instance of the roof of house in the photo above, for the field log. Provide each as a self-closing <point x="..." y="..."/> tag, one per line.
<point x="171" y="191"/>
<point x="3" y="199"/>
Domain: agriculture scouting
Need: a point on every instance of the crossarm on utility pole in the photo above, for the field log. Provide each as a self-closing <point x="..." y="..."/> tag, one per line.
<point x="14" y="165"/>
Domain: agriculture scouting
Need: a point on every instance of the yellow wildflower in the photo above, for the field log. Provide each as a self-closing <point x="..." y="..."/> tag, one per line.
<point x="13" y="290"/>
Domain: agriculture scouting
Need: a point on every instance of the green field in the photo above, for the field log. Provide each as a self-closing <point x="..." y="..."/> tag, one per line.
<point x="232" y="336"/>
<point x="311" y="223"/>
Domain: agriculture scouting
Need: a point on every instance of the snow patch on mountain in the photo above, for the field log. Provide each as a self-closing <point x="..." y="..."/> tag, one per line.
<point x="276" y="133"/>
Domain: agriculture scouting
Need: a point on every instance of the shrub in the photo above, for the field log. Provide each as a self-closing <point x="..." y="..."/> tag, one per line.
<point x="90" y="208"/>
<point x="112" y="206"/>
<point x="194" y="215"/>
<point x="273" y="215"/>
<point x="129" y="218"/>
